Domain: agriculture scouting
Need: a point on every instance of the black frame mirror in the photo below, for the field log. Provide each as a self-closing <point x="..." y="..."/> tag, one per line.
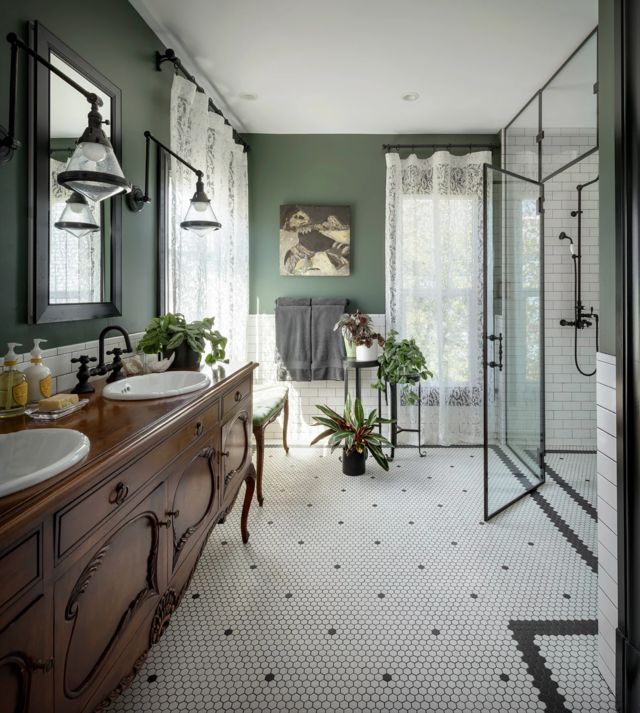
<point x="41" y="310"/>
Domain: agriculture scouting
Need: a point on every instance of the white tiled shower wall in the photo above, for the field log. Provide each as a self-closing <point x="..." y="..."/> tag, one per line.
<point x="607" y="518"/>
<point x="570" y="405"/>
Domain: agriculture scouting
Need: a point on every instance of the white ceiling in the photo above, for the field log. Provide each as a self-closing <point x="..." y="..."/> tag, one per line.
<point x="341" y="66"/>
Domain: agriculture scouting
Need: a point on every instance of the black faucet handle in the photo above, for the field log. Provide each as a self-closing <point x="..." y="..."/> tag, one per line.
<point x="117" y="351"/>
<point x="83" y="359"/>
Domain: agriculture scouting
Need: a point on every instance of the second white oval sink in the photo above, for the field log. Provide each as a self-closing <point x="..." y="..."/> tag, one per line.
<point x="156" y="386"/>
<point x="31" y="456"/>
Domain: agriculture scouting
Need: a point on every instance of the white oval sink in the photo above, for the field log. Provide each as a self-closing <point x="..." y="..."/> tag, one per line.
<point x="31" y="456"/>
<point x="156" y="386"/>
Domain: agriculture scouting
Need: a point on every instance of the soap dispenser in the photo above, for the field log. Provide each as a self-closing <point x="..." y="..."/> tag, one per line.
<point x="14" y="389"/>
<point x="38" y="375"/>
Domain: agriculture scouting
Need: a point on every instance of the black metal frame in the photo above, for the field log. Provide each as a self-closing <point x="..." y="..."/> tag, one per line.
<point x="40" y="310"/>
<point x="627" y="173"/>
<point x="487" y="338"/>
<point x="437" y="147"/>
<point x="170" y="56"/>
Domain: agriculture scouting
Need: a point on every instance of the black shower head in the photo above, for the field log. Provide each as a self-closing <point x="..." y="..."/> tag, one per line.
<point x="564" y="236"/>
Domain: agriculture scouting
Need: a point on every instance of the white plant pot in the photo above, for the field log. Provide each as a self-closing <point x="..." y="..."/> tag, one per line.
<point x="365" y="353"/>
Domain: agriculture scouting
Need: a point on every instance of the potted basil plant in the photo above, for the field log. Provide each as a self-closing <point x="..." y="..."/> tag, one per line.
<point x="401" y="362"/>
<point x="172" y="334"/>
<point x="355" y="433"/>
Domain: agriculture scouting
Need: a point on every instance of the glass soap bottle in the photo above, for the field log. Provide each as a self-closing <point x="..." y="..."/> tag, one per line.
<point x="14" y="389"/>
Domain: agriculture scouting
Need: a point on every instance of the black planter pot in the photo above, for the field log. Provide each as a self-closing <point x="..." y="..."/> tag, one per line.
<point x="186" y="359"/>
<point x="353" y="463"/>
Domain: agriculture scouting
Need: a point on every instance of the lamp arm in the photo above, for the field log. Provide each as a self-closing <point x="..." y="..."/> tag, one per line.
<point x="8" y="142"/>
<point x="137" y="198"/>
<point x="150" y="136"/>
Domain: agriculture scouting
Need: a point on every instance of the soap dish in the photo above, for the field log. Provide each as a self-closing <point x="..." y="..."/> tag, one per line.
<point x="35" y="413"/>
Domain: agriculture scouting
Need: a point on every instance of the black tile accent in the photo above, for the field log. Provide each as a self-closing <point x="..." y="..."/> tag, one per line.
<point x="435" y="632"/>
<point x="253" y="566"/>
<point x="152" y="678"/>
<point x="572" y="493"/>
<point x="269" y="677"/>
<point x="288" y="595"/>
<point x="504" y="677"/>
<point x="570" y="536"/>
<point x="387" y="677"/>
<point x="474" y="595"/>
<point x="331" y="632"/>
<point x="524" y="633"/>
<point x="228" y="632"/>
<point x="381" y="595"/>
<point x="195" y="596"/>
<point x="336" y="566"/>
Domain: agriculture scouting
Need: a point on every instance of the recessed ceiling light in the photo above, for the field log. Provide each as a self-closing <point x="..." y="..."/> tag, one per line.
<point x="410" y="96"/>
<point x="248" y="96"/>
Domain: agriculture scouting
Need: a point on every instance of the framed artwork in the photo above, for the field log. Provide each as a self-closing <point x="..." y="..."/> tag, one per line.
<point x="315" y="240"/>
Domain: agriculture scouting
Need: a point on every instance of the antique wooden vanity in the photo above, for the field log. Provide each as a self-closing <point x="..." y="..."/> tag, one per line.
<point x="94" y="561"/>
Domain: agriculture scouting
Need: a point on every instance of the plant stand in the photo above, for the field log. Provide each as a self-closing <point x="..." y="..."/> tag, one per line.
<point x="395" y="428"/>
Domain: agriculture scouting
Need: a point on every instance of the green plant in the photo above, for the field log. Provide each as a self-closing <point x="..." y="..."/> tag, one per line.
<point x="169" y="331"/>
<point x="357" y="328"/>
<point x="353" y="431"/>
<point x="401" y="362"/>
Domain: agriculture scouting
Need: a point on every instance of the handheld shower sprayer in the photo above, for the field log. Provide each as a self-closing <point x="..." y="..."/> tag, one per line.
<point x="564" y="236"/>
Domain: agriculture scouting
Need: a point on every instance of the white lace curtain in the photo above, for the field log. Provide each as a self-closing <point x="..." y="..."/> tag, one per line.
<point x="434" y="283"/>
<point x="75" y="264"/>
<point x="208" y="277"/>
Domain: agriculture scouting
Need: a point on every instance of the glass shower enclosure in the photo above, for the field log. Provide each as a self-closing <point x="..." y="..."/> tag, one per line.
<point x="534" y="150"/>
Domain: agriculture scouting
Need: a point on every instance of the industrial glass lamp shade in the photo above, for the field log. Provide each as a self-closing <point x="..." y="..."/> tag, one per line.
<point x="200" y="218"/>
<point x="77" y="218"/>
<point x="94" y="172"/>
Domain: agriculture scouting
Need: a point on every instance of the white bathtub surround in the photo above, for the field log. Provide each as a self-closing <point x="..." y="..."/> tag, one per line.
<point x="607" y="517"/>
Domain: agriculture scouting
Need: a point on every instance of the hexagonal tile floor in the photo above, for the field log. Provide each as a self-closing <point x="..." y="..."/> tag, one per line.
<point x="388" y="592"/>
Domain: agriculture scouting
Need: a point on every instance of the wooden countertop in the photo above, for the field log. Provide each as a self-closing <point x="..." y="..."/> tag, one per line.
<point x="114" y="429"/>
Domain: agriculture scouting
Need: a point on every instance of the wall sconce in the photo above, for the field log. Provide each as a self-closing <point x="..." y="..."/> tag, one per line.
<point x="77" y="217"/>
<point x="200" y="218"/>
<point x="93" y="170"/>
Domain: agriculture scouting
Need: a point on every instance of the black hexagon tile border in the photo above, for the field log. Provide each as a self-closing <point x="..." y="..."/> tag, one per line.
<point x="388" y="592"/>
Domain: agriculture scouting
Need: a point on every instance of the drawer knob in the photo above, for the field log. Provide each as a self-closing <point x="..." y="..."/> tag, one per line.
<point x="237" y="396"/>
<point x="120" y="494"/>
<point x="173" y="513"/>
<point x="199" y="429"/>
<point x="225" y="454"/>
<point x="45" y="665"/>
<point x="165" y="523"/>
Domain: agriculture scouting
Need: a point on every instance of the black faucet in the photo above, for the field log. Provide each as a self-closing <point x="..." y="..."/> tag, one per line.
<point x="116" y="365"/>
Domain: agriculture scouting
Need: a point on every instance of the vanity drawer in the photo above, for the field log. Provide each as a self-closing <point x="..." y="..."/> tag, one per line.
<point x="86" y="513"/>
<point x="20" y="566"/>
<point x="238" y="394"/>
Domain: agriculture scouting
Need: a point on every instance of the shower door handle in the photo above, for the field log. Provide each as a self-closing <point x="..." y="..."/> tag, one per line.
<point x="496" y="338"/>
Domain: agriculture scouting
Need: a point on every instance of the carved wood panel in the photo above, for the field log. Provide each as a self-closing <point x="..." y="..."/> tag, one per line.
<point x="235" y="452"/>
<point x="26" y="662"/>
<point x="98" y="600"/>
<point x="194" y="495"/>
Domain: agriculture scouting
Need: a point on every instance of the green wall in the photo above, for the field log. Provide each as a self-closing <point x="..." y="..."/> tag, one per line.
<point x="115" y="39"/>
<point x="606" y="120"/>
<point x="324" y="169"/>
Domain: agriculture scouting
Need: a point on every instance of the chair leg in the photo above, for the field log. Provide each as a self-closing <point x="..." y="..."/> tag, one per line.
<point x="285" y="425"/>
<point x="259" y="436"/>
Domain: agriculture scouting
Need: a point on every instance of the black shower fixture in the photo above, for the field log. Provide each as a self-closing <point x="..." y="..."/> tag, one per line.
<point x="582" y="319"/>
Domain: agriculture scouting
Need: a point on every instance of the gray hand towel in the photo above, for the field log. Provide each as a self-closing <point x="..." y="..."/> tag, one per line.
<point x="293" y="338"/>
<point x="327" y="346"/>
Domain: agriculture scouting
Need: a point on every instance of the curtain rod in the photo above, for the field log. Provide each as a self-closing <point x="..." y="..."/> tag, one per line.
<point x="170" y="56"/>
<point x="389" y="147"/>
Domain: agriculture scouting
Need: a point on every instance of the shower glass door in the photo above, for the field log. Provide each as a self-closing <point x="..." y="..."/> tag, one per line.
<point x="514" y="343"/>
